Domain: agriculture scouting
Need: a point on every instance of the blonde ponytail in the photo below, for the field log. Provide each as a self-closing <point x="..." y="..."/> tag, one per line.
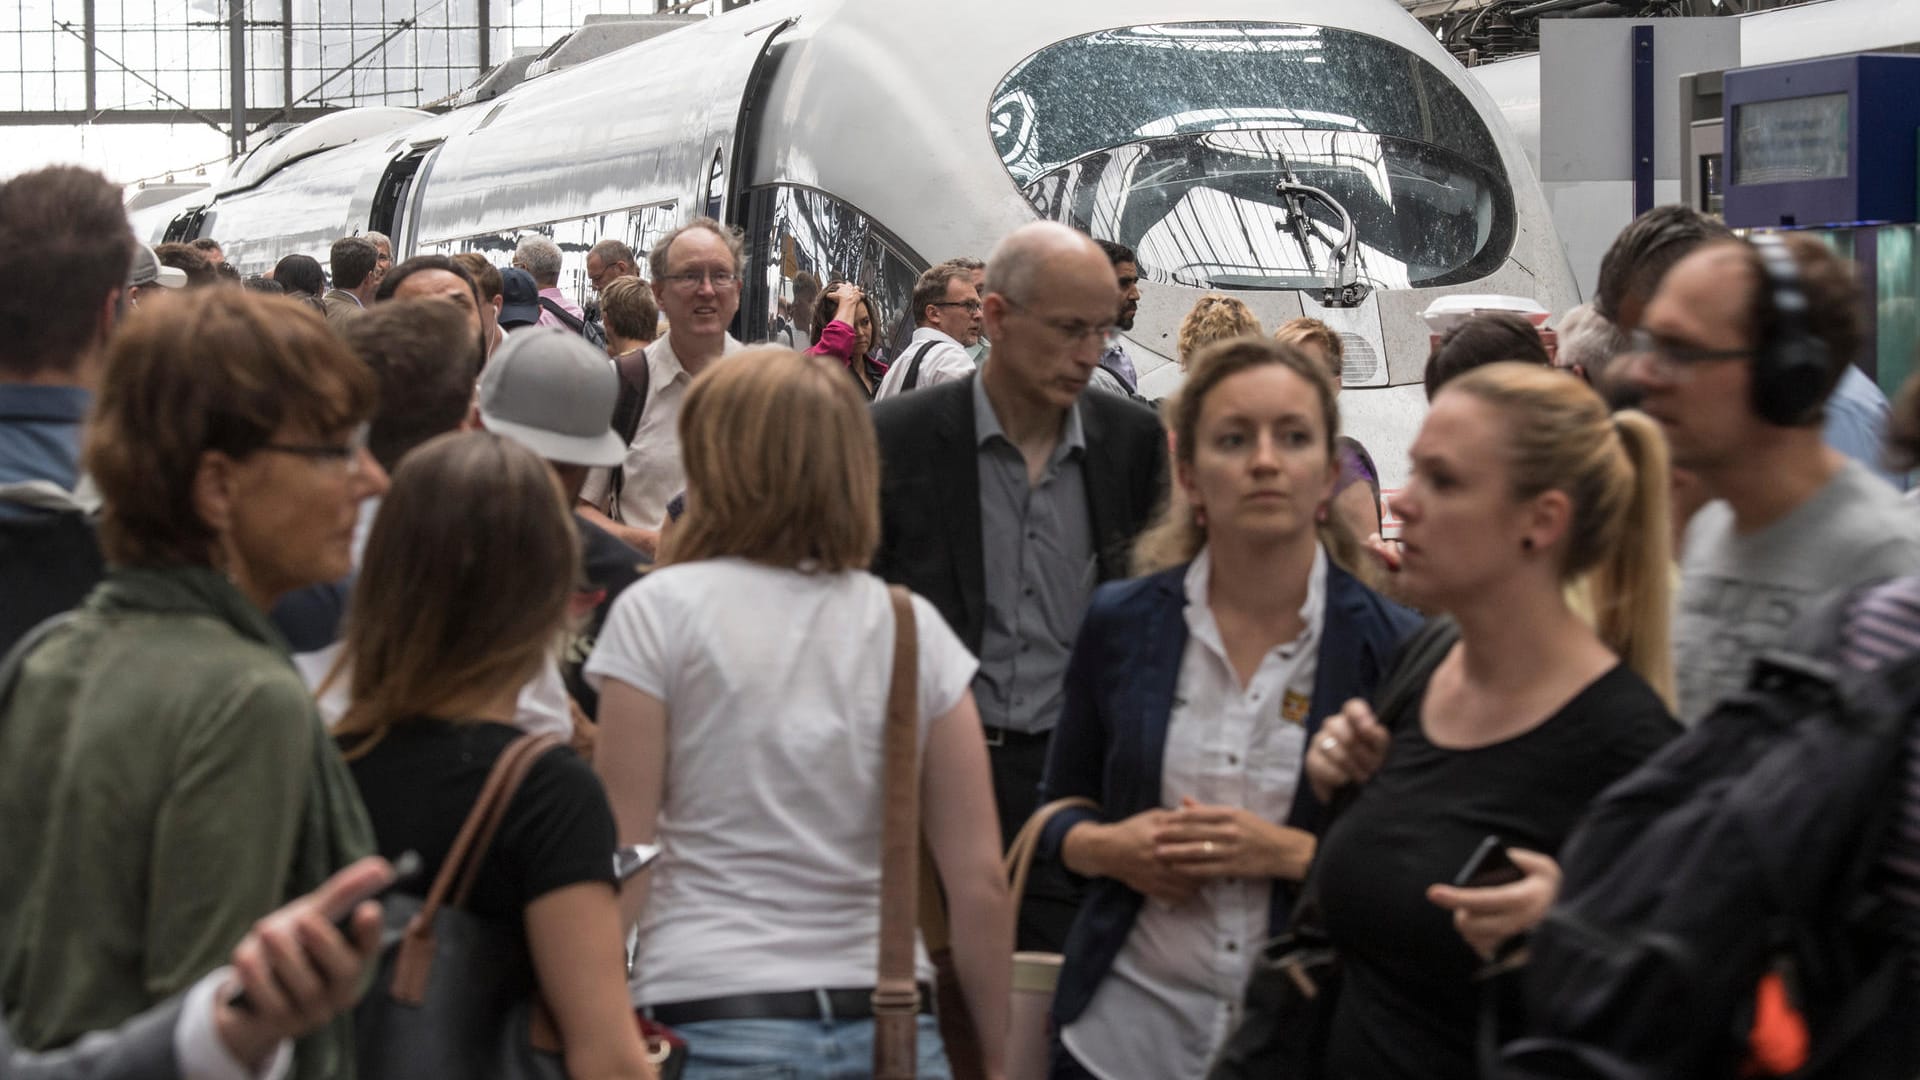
<point x="1614" y="470"/>
<point x="1632" y="586"/>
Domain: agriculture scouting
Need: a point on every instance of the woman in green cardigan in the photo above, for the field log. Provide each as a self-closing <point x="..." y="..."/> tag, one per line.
<point x="164" y="779"/>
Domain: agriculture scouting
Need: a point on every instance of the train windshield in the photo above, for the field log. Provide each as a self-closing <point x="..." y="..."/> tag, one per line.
<point x="1171" y="139"/>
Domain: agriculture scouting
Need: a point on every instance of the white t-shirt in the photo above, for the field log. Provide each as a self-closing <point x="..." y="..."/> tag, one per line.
<point x="775" y="684"/>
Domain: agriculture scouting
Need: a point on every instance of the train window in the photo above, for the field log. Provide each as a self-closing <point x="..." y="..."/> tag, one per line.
<point x="645" y="227"/>
<point x="803" y="240"/>
<point x="575" y="237"/>
<point x="1172" y="139"/>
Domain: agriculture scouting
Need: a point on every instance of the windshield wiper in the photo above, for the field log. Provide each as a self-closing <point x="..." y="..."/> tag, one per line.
<point x="1342" y="287"/>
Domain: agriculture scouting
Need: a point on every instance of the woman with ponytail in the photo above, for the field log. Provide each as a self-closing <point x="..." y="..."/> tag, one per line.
<point x="1522" y="485"/>
<point x="1191" y="696"/>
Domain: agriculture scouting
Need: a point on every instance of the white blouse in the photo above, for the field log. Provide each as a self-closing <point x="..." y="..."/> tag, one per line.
<point x="1169" y="1001"/>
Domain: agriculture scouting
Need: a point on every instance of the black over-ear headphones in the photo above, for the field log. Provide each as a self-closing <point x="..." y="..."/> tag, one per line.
<point x="1790" y="366"/>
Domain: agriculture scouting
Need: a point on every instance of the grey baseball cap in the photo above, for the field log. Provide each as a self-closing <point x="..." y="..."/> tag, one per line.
<point x="146" y="270"/>
<point x="550" y="391"/>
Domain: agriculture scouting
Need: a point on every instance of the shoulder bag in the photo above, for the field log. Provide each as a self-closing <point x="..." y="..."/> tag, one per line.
<point x="455" y="994"/>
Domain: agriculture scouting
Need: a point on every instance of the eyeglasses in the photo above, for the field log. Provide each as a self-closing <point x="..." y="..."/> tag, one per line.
<point x="1674" y="357"/>
<point x="1071" y="329"/>
<point x="348" y="455"/>
<point x="972" y="306"/>
<point x="691" y="279"/>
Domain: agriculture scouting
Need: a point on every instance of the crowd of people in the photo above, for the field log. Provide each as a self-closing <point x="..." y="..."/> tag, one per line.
<point x="304" y="573"/>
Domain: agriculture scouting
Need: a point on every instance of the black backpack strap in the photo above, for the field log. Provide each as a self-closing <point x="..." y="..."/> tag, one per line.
<point x="552" y="307"/>
<point x="913" y="368"/>
<point x="1413" y="665"/>
<point x="636" y="376"/>
<point x="16" y="657"/>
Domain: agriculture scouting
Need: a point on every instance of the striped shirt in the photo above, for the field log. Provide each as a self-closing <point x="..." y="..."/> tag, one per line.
<point x="1883" y="625"/>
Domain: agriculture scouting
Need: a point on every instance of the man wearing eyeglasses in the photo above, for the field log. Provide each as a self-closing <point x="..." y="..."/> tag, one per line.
<point x="1008" y="495"/>
<point x="1735" y="357"/>
<point x="946" y="309"/>
<point x="696" y="271"/>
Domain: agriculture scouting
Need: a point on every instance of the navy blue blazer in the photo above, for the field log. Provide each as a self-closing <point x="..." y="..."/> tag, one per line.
<point x="1110" y="743"/>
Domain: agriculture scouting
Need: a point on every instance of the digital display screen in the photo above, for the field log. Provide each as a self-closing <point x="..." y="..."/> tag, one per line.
<point x="1777" y="142"/>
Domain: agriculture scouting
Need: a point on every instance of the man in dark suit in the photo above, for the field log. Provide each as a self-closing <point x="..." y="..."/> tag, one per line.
<point x="1007" y="496"/>
<point x="353" y="259"/>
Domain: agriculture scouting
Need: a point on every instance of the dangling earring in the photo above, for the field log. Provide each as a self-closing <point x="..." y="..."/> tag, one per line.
<point x="1320" y="515"/>
<point x="1200" y="517"/>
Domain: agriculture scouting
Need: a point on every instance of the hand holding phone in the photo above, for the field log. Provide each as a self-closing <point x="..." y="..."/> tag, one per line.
<point x="1499" y="894"/>
<point x="294" y="971"/>
<point x="344" y="894"/>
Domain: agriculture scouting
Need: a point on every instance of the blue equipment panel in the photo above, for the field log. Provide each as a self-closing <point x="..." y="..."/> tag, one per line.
<point x="1823" y="142"/>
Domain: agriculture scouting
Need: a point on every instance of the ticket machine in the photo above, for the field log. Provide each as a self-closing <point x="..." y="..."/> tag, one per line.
<point x="1832" y="146"/>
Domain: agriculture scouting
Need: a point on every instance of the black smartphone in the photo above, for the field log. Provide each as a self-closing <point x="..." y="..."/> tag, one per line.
<point x="405" y="867"/>
<point x="1488" y="866"/>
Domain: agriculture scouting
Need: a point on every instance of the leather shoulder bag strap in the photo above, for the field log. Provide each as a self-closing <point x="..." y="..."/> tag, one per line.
<point x="1026" y="843"/>
<point x="896" y="994"/>
<point x="415" y="961"/>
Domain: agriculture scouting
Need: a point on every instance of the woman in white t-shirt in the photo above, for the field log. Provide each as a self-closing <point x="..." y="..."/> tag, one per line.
<point x="743" y="698"/>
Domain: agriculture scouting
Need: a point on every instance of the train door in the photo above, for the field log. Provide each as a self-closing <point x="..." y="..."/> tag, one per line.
<point x="185" y="227"/>
<point x="396" y="201"/>
<point x="731" y="131"/>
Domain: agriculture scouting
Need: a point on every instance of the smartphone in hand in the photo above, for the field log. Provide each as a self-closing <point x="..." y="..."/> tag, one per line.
<point x="1489" y="865"/>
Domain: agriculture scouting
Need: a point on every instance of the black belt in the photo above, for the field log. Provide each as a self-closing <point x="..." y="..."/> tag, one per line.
<point x="1007" y="737"/>
<point x="848" y="1004"/>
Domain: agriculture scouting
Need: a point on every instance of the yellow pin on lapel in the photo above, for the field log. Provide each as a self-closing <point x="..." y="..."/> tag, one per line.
<point x="1294" y="706"/>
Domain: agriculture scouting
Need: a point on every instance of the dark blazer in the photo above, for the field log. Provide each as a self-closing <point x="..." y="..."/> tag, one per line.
<point x="930" y="493"/>
<point x="1111" y="742"/>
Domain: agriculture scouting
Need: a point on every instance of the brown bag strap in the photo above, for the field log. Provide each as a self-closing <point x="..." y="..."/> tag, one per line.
<point x="526" y="750"/>
<point x="1026" y="843"/>
<point x="462" y="864"/>
<point x="896" y="995"/>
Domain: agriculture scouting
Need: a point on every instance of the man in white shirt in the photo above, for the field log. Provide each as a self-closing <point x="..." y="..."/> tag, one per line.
<point x="697" y="271"/>
<point x="946" y="305"/>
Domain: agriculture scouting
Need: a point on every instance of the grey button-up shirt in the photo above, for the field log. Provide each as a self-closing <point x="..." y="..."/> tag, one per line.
<point x="1037" y="543"/>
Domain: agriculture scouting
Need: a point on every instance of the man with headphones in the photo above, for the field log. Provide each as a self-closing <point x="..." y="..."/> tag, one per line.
<point x="1736" y="356"/>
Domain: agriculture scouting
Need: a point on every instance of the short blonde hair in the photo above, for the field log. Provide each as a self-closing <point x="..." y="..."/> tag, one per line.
<point x="1306" y="333"/>
<point x="1214" y="318"/>
<point x="782" y="465"/>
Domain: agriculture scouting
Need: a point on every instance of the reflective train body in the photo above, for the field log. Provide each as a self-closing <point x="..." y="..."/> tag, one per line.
<point x="1286" y="152"/>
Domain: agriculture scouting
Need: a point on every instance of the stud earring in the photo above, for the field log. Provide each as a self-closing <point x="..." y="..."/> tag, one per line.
<point x="1526" y="543"/>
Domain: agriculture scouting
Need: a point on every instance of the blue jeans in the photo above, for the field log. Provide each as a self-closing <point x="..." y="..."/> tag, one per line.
<point x="797" y="1050"/>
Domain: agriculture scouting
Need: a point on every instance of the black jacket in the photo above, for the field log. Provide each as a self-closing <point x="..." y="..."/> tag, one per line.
<point x="930" y="493"/>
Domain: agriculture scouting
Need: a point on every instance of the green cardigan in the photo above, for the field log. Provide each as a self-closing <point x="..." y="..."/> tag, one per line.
<point x="164" y="782"/>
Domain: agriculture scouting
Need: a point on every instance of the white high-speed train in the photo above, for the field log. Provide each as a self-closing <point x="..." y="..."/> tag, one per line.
<point x="1324" y="157"/>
